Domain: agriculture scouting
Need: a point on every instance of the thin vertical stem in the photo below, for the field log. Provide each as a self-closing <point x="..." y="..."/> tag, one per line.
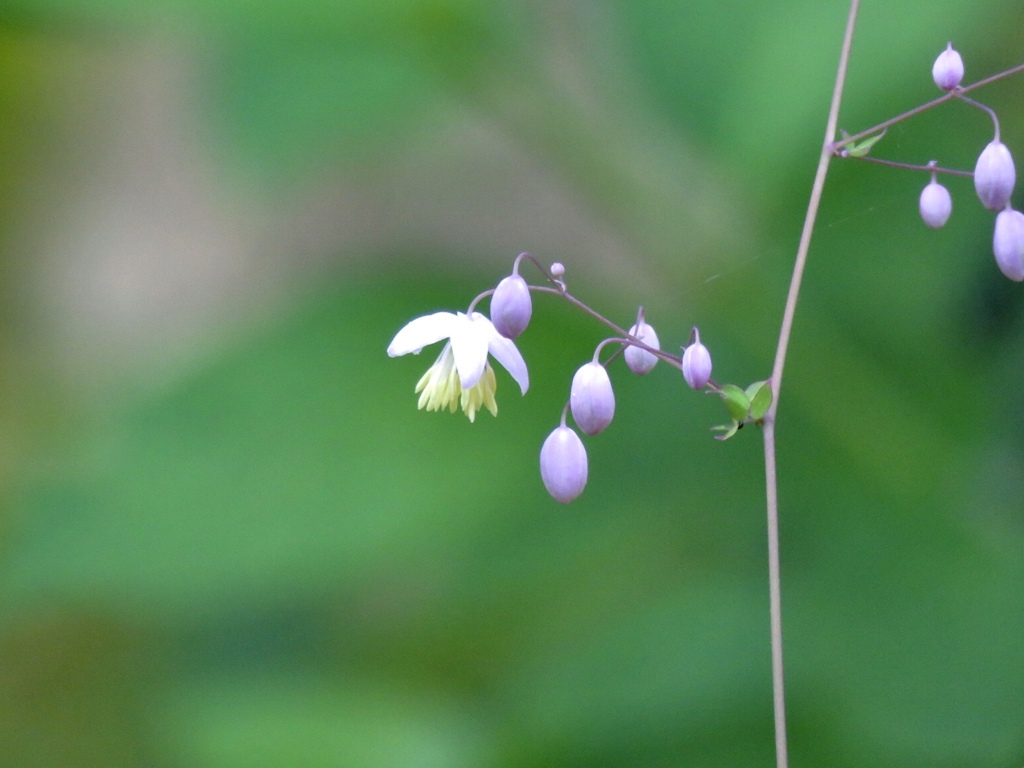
<point x="771" y="480"/>
<point x="775" y="598"/>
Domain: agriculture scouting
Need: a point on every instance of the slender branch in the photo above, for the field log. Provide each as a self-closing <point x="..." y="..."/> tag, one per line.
<point x="674" y="360"/>
<point x="771" y="475"/>
<point x="912" y="167"/>
<point x="559" y="289"/>
<point x="978" y="105"/>
<point x="812" y="214"/>
<point x="893" y="120"/>
<point x="993" y="78"/>
<point x="956" y="93"/>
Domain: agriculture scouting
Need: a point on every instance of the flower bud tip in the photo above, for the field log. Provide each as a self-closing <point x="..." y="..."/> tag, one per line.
<point x="948" y="69"/>
<point x="511" y="306"/>
<point x="1008" y="243"/>
<point x="696" y="363"/>
<point x="563" y="464"/>
<point x="995" y="176"/>
<point x="592" y="400"/>
<point x="935" y="205"/>
<point x="640" y="361"/>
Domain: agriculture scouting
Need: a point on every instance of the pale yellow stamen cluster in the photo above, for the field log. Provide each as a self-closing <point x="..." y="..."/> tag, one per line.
<point x="440" y="388"/>
<point x="481" y="394"/>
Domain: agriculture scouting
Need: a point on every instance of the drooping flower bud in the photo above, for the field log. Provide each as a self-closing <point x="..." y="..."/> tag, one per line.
<point x="994" y="176"/>
<point x="935" y="204"/>
<point x="511" y="306"/>
<point x="1008" y="243"/>
<point x="948" y="69"/>
<point x="640" y="361"/>
<point x="563" y="464"/>
<point x="696" y="363"/>
<point x="591" y="400"/>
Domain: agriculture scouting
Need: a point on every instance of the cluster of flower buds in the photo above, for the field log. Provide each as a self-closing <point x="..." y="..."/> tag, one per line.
<point x="563" y="459"/>
<point x="994" y="180"/>
<point x="462" y="375"/>
<point x="935" y="203"/>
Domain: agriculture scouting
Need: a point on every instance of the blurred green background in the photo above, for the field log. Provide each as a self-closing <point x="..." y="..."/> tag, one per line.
<point x="229" y="540"/>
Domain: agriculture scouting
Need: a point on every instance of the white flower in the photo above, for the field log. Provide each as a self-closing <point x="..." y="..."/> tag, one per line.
<point x="462" y="374"/>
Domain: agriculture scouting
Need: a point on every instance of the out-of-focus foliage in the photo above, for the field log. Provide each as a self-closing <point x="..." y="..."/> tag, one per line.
<point x="229" y="540"/>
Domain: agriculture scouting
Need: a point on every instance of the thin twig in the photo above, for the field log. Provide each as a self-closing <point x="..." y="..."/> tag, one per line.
<point x="771" y="481"/>
<point x="914" y="167"/>
<point x="957" y="93"/>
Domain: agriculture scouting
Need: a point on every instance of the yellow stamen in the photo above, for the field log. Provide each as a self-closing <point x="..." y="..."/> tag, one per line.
<point x="440" y="388"/>
<point x="481" y="394"/>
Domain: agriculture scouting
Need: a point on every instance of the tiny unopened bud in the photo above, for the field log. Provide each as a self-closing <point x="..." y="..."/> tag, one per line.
<point x="948" y="69"/>
<point x="511" y="306"/>
<point x="1008" y="243"/>
<point x="640" y="361"/>
<point x="591" y="400"/>
<point x="563" y="464"/>
<point x="558" y="269"/>
<point x="994" y="176"/>
<point x="935" y="204"/>
<point x="696" y="363"/>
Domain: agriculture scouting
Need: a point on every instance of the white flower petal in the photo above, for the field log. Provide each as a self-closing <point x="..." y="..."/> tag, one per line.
<point x="423" y="331"/>
<point x="469" y="344"/>
<point x="506" y="353"/>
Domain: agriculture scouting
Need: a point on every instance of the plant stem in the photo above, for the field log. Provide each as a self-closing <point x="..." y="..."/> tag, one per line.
<point x="771" y="479"/>
<point x="914" y="167"/>
<point x="957" y="93"/>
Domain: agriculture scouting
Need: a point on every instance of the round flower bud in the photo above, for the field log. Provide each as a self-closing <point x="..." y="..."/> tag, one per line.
<point x="640" y="361"/>
<point x="696" y="363"/>
<point x="511" y="306"/>
<point x="935" y="204"/>
<point x="563" y="464"/>
<point x="994" y="176"/>
<point x="558" y="269"/>
<point x="948" y="69"/>
<point x="591" y="400"/>
<point x="1008" y="243"/>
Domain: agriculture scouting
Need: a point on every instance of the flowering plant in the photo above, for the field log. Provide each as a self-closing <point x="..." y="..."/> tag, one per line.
<point x="564" y="467"/>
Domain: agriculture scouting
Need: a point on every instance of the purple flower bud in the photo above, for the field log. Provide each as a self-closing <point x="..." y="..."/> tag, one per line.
<point x="1008" y="243"/>
<point x="511" y="306"/>
<point x="591" y="399"/>
<point x="935" y="204"/>
<point x="948" y="69"/>
<point x="994" y="176"/>
<point x="563" y="464"/>
<point x="696" y="363"/>
<point x="640" y="361"/>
